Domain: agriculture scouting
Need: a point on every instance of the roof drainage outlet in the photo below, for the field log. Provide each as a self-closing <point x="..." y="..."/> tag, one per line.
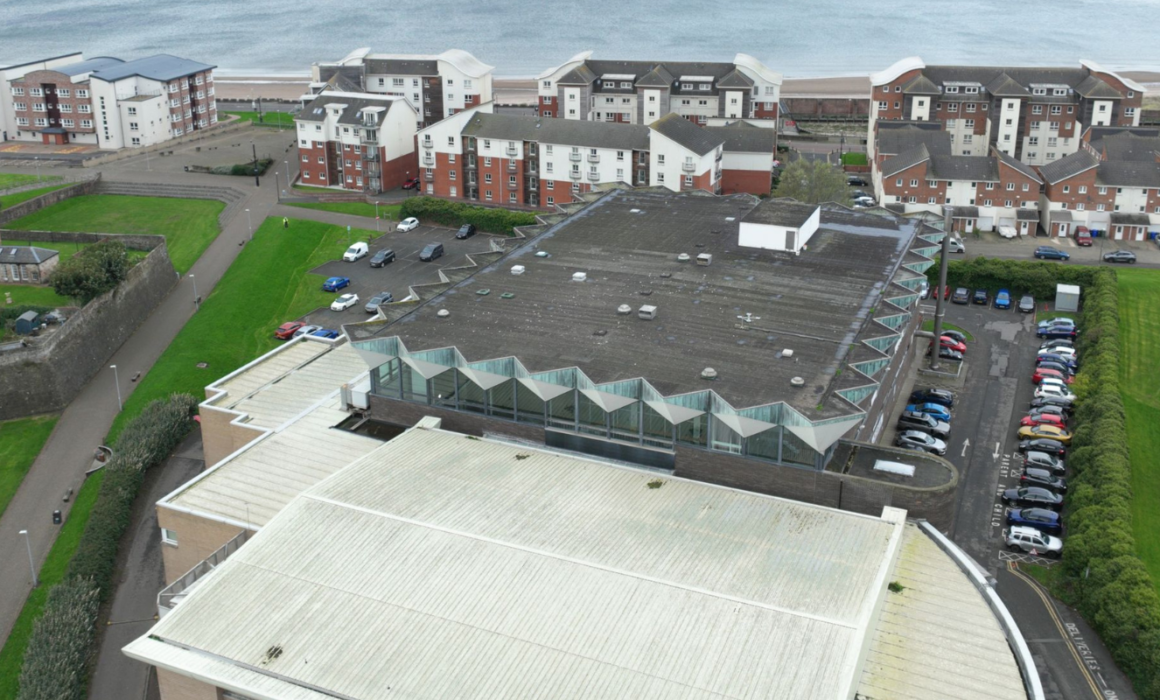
<point x="624" y="309"/>
<point x="797" y="381"/>
<point x="683" y="257"/>
<point x="708" y="373"/>
<point x="443" y="313"/>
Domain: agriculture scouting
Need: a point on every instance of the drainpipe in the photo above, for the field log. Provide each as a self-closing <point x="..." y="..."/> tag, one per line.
<point x="940" y="306"/>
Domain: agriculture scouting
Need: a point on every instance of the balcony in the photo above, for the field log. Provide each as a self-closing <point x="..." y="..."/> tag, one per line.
<point x="471" y="164"/>
<point x="574" y="157"/>
<point x="513" y="167"/>
<point x="429" y="162"/>
<point x="511" y="151"/>
<point x="371" y="155"/>
<point x="427" y="144"/>
<point x="593" y="158"/>
<point x="372" y="169"/>
<point x="429" y="176"/>
<point x="575" y="175"/>
<point x="174" y="593"/>
<point x="688" y="167"/>
<point x="593" y="176"/>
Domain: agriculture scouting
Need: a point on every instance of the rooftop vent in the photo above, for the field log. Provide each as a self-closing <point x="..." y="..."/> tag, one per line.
<point x="786" y="352"/>
<point x="518" y="269"/>
<point x="683" y="257"/>
<point x="443" y="313"/>
<point x="797" y="381"/>
<point x="708" y="373"/>
<point x="624" y="309"/>
<point x="541" y="254"/>
<point x="705" y="259"/>
<point x="648" y="312"/>
<point x="579" y="276"/>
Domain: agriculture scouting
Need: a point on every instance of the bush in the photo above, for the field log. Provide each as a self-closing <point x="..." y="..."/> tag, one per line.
<point x="70" y="612"/>
<point x="243" y="169"/>
<point x="91" y="272"/>
<point x="455" y="214"/>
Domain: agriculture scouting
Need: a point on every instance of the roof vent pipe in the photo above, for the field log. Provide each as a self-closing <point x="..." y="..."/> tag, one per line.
<point x="624" y="309"/>
<point x="797" y="381"/>
<point x="579" y="276"/>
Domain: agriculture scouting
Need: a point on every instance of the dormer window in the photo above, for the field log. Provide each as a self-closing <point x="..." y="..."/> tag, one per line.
<point x="1038" y="91"/>
<point x="626" y="84"/>
<point x="686" y="86"/>
<point x="1059" y="92"/>
<point x="971" y="90"/>
<point x="951" y="89"/>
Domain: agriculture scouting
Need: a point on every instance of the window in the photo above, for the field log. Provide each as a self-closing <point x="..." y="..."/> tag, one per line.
<point x="1037" y="109"/>
<point x="136" y="141"/>
<point x="36" y="92"/>
<point x="1103" y="108"/>
<point x="395" y="82"/>
<point x="930" y="200"/>
<point x="1050" y="156"/>
<point x="305" y="175"/>
<point x="898" y="182"/>
<point x="66" y="108"/>
<point x="19" y="106"/>
<point x="953" y="107"/>
<point x="453" y="191"/>
<point x="661" y="178"/>
<point x="1079" y="206"/>
<point x="912" y="199"/>
<point x="986" y="202"/>
<point x="63" y="92"/>
<point x="82" y="93"/>
<point x="688" y="180"/>
<point x="660" y="159"/>
<point x="1100" y="207"/>
<point x="18" y="91"/>
<point x="487" y="178"/>
<point x="547" y="84"/>
<point x="21" y="121"/>
<point x="931" y="183"/>
<point x="85" y="109"/>
<point x="951" y="89"/>
<point x="1102" y="190"/>
<point x="38" y="107"/>
<point x="968" y="138"/>
<point x="1025" y="188"/>
<point x="1033" y="141"/>
<point x="1129" y="112"/>
<point x="487" y="162"/>
<point x="914" y="183"/>
<point x="450" y="157"/>
<point x="1007" y="203"/>
<point x="487" y="195"/>
<point x="169" y="536"/>
<point x="66" y="123"/>
<point x="1066" y="189"/>
<point x="86" y="123"/>
<point x="882" y="105"/>
<point x="1053" y="126"/>
<point x="41" y="121"/>
<point x="551" y="200"/>
<point x="896" y="105"/>
<point x="1010" y="186"/>
<point x="550" y="184"/>
<point x="969" y="123"/>
<point x="990" y="185"/>
<point x="133" y="126"/>
<point x="1052" y="142"/>
<point x="1056" y="109"/>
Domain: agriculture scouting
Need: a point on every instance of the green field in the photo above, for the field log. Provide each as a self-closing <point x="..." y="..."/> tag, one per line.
<point x="266" y="286"/>
<point x="1139" y="305"/>
<point x="386" y="211"/>
<point x="11" y="200"/>
<point x="32" y="295"/>
<point x="52" y="572"/>
<point x="18" y="180"/>
<point x="928" y="326"/>
<point x="189" y="225"/>
<point x="20" y="442"/>
<point x="274" y="119"/>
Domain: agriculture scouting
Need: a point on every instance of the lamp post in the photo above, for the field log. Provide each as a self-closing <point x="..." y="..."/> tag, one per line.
<point x="36" y="159"/>
<point x="288" y="180"/>
<point x="377" y="216"/>
<point x="31" y="565"/>
<point x="117" y="383"/>
<point x="257" y="181"/>
<point x="196" y="298"/>
<point x="251" y="224"/>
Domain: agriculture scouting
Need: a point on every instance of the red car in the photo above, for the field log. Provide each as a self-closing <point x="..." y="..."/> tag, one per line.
<point x="949" y="342"/>
<point x="1042" y="372"/>
<point x="1043" y="419"/>
<point x="286" y="330"/>
<point x="411" y="184"/>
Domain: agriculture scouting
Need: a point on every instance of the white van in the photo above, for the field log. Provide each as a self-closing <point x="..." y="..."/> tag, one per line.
<point x="356" y="251"/>
<point x="955" y="245"/>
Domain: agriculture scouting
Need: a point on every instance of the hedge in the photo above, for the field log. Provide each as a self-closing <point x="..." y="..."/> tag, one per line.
<point x="455" y="214"/>
<point x="1037" y="278"/>
<point x="63" y="642"/>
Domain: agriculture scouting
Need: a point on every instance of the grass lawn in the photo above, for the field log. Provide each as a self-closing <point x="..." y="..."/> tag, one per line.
<point x="267" y="285"/>
<point x="18" y="180"/>
<point x="928" y="326"/>
<point x="32" y="295"/>
<point x="386" y="211"/>
<point x="11" y="200"/>
<point x="189" y="225"/>
<point x="20" y="442"/>
<point x="320" y="190"/>
<point x="1139" y="293"/>
<point x="854" y="158"/>
<point x="52" y="572"/>
<point x="275" y="119"/>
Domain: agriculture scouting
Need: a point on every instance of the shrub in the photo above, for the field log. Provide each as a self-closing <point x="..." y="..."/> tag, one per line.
<point x="243" y="169"/>
<point x="455" y="214"/>
<point x="57" y="656"/>
<point x="91" y="272"/>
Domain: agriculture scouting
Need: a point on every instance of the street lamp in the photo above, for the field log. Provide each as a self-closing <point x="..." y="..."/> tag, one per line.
<point x="36" y="159"/>
<point x="196" y="298"/>
<point x="377" y="217"/>
<point x="31" y="565"/>
<point x="251" y="223"/>
<point x="117" y="382"/>
<point x="288" y="181"/>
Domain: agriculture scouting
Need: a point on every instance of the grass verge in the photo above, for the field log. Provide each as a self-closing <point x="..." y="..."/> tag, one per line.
<point x="386" y="211"/>
<point x="189" y="225"/>
<point x="928" y="326"/>
<point x="32" y="295"/>
<point x="321" y="190"/>
<point x="272" y="119"/>
<point x="20" y="443"/>
<point x="54" y="569"/>
<point x="235" y="324"/>
<point x="19" y="179"/>
<point x="11" y="200"/>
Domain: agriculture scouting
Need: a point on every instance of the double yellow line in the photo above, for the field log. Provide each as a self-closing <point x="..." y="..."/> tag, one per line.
<point x="1014" y="569"/>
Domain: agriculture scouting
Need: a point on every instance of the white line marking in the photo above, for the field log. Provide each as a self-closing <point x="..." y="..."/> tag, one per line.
<point x="966" y="444"/>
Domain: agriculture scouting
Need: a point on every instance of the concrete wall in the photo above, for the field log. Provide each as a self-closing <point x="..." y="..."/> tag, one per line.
<point x="47" y="200"/>
<point x="47" y="375"/>
<point x="219" y="438"/>
<point x="197" y="538"/>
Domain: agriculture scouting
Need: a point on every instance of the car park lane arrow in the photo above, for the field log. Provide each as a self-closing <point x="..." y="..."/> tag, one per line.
<point x="996" y="454"/>
<point x="966" y="444"/>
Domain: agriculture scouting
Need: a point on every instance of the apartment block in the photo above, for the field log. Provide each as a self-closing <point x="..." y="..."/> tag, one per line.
<point x="1036" y="115"/>
<point x="436" y="86"/>
<point x="356" y="141"/>
<point x="105" y="101"/>
<point x="641" y="92"/>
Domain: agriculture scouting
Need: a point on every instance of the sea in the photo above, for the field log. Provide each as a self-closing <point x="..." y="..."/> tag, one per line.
<point x="802" y="39"/>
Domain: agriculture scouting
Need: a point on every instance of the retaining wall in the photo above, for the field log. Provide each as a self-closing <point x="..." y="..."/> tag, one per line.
<point x="47" y="200"/>
<point x="132" y="241"/>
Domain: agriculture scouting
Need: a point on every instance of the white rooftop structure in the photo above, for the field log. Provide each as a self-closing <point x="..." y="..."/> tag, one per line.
<point x="443" y="565"/>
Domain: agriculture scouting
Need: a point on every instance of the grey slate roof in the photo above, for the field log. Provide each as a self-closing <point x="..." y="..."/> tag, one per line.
<point x="402" y="66"/>
<point x="1069" y="166"/>
<point x="1004" y="85"/>
<point x="1092" y="86"/>
<point x="1126" y="219"/>
<point x="895" y="140"/>
<point x="735" y="79"/>
<point x="664" y="74"/>
<point x="566" y="132"/>
<point x="965" y="213"/>
<point x="1016" y="164"/>
<point x="90" y="65"/>
<point x="1128" y="173"/>
<point x="1023" y="77"/>
<point x="25" y="255"/>
<point x="920" y="85"/>
<point x="744" y="138"/>
<point x="1027" y="215"/>
<point x="161" y="67"/>
<point x="354" y="105"/>
<point x="657" y="77"/>
<point x="687" y="134"/>
<point x="580" y="75"/>
<point x="1135" y="144"/>
<point x="976" y="168"/>
<point x="907" y="159"/>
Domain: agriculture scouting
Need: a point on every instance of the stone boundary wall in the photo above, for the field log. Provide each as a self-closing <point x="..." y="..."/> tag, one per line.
<point x="46" y="375"/>
<point x="132" y="241"/>
<point x="47" y="200"/>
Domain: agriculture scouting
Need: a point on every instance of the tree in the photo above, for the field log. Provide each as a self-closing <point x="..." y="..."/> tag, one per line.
<point x="813" y="183"/>
<point x="91" y="272"/>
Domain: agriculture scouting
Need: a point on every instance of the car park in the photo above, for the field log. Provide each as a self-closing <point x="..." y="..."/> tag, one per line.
<point x="1064" y="369"/>
<point x="1033" y="476"/>
<point x="961" y="296"/>
<point x="939" y="396"/>
<point x="355" y="252"/>
<point x="1003" y="299"/>
<point x="378" y="300"/>
<point x="1052" y="387"/>
<point x="306" y="330"/>
<point x="1083" y="237"/>
<point x="980" y="297"/>
<point x="1057" y="321"/>
<point x="286" y="330"/>
<point x="431" y="252"/>
<point x="937" y="411"/>
<point x="1042" y="419"/>
<point x="1055" y="401"/>
<point x="1051" y="447"/>
<point x="1026" y="304"/>
<point x="1120" y="256"/>
<point x="913" y="420"/>
<point x="960" y="337"/>
<point x="465" y="231"/>
<point x="344" y="302"/>
<point x="1049" y="410"/>
<point x="948" y="342"/>
<point x="1066" y="352"/>
<point x="1033" y="496"/>
<point x="1057" y="343"/>
<point x="1042" y="460"/>
<point x="922" y="440"/>
<point x="1021" y="538"/>
<point x="327" y="333"/>
<point x="333" y="284"/>
<point x="408" y="224"/>
<point x="1041" y="519"/>
<point x="1046" y="252"/>
<point x="384" y="256"/>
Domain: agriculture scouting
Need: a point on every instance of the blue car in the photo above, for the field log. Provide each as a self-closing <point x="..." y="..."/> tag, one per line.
<point x="934" y="410"/>
<point x="325" y="333"/>
<point x="1046" y="252"/>
<point x="335" y="283"/>
<point x="1041" y="519"/>
<point x="1003" y="299"/>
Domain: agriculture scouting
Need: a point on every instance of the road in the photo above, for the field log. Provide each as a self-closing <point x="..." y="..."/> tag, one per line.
<point x="992" y="246"/>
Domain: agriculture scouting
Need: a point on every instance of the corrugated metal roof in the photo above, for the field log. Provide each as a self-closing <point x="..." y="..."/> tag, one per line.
<point x="161" y="67"/>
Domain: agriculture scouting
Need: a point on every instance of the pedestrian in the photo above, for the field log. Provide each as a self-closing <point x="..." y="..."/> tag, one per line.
<point x="285" y="222"/>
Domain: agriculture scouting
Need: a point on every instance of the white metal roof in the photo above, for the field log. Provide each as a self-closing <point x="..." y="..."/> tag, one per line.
<point x="446" y="566"/>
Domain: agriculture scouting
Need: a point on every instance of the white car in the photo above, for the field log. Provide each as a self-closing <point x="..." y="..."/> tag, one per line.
<point x="356" y="251"/>
<point x="344" y="302"/>
<point x="1007" y="232"/>
<point x="1052" y="381"/>
<point x="1054" y="391"/>
<point x="408" y="224"/>
<point x="1028" y="539"/>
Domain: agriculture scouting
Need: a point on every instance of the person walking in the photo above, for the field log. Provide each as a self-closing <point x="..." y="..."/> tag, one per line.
<point x="285" y="222"/>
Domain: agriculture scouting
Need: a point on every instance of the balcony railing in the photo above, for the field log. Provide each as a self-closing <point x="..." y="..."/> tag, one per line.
<point x="593" y="158"/>
<point x="172" y="594"/>
<point x="429" y="176"/>
<point x="574" y="157"/>
<point x="688" y="167"/>
<point x="429" y="162"/>
<point x="512" y="151"/>
<point x="533" y="184"/>
<point x="513" y="168"/>
<point x="575" y="175"/>
<point x="371" y="155"/>
<point x="593" y="176"/>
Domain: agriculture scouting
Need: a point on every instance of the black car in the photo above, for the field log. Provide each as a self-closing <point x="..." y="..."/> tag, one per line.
<point x="1027" y="304"/>
<point x="1120" y="256"/>
<point x="940" y="396"/>
<point x="465" y="231"/>
<point x="948" y="354"/>
<point x="957" y="336"/>
<point x="1051" y="447"/>
<point x="856" y="182"/>
<point x="981" y="297"/>
<point x="1033" y="496"/>
<point x="384" y="256"/>
<point x="1046" y="252"/>
<point x="1039" y="518"/>
<point x="432" y="251"/>
<point x="1054" y="332"/>
<point x="913" y="420"/>
<point x="1033" y="476"/>
<point x="961" y="296"/>
<point x="1051" y="401"/>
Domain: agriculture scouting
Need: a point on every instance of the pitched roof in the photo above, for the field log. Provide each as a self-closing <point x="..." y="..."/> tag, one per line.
<point x="1128" y="173"/>
<point x="1068" y="166"/>
<point x="162" y="67"/>
<point x="657" y="77"/>
<point x="907" y="159"/>
<point x="976" y="168"/>
<point x="1127" y="219"/>
<point x="921" y="85"/>
<point x="354" y="104"/>
<point x="1136" y="144"/>
<point x="1092" y="86"/>
<point x="1016" y="164"/>
<point x="580" y="75"/>
<point x="25" y="255"/>
<point x="895" y="140"/>
<point x="735" y="79"/>
<point x="744" y="138"/>
<point x="89" y="65"/>
<point x="566" y="132"/>
<point x="1004" y="85"/>
<point x="687" y="134"/>
<point x="403" y="66"/>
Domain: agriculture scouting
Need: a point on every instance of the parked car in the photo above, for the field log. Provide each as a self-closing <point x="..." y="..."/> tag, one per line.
<point x="1042" y="419"/>
<point x="855" y="181"/>
<point x="981" y="297"/>
<point x="1065" y="369"/>
<point x="326" y="333"/>
<point x="955" y="245"/>
<point x="858" y="194"/>
<point x="431" y="252"/>
<point x="1020" y="538"/>
<point x="936" y="411"/>
<point x="465" y="231"/>
<point x="1042" y="519"/>
<point x="1049" y="432"/>
<point x="1050" y="410"/>
<point x="961" y="337"/>
<point x="948" y="354"/>
<point x="1043" y="373"/>
<point x="919" y="439"/>
<point x="286" y="330"/>
<point x="344" y="302"/>
<point x="1083" y="237"/>
<point x="1046" y="252"/>
<point x="355" y="252"/>
<point x="333" y="284"/>
<point x="864" y="201"/>
<point x="1033" y="476"/>
<point x="1062" y="356"/>
<point x="1005" y="231"/>
<point x="913" y="420"/>
<point x="1066" y="352"/>
<point x="1066" y="332"/>
<point x="1003" y="299"/>
<point x="1057" y="321"/>
<point x="408" y="224"/>
<point x="1033" y="496"/>
<point x="1054" y="383"/>
<point x="1054" y="391"/>
<point x="306" y="330"/>
<point x="924" y="289"/>
<point x="1120" y="256"/>
<point x="1042" y="460"/>
<point x="939" y="396"/>
<point x="384" y="256"/>
<point x="1057" y="343"/>
<point x="1056" y="401"/>
<point x="961" y="296"/>
<point x="1026" y="304"/>
<point x="948" y="342"/>
<point x="411" y="183"/>
<point x="1051" y="447"/>
<point x="378" y="300"/>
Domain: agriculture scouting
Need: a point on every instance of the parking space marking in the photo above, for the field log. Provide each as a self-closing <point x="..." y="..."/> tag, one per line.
<point x="1024" y="558"/>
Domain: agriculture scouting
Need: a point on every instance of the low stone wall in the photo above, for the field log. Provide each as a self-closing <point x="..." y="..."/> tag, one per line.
<point x="49" y="373"/>
<point x="47" y="200"/>
<point x="132" y="241"/>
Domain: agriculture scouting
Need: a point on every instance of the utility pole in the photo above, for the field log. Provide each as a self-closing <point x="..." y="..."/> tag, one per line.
<point x="31" y="564"/>
<point x="257" y="182"/>
<point x="940" y="292"/>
